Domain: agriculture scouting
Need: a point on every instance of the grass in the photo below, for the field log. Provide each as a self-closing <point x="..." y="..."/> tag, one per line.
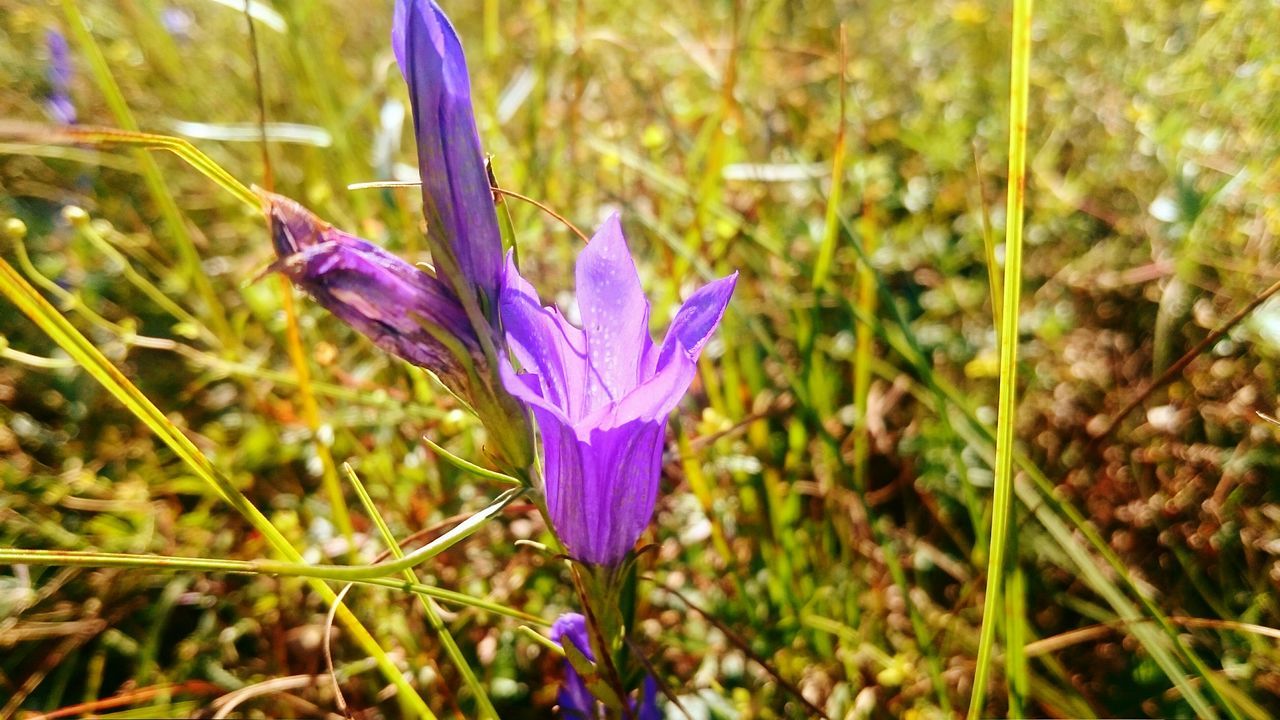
<point x="851" y="492"/>
<point x="1007" y="404"/>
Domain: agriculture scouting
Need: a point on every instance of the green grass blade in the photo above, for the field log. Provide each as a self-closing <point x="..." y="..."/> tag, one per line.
<point x="470" y="467"/>
<point x="864" y="347"/>
<point x="1007" y="404"/>
<point x="943" y="394"/>
<point x="62" y="332"/>
<point x="831" y="228"/>
<point x="181" y="236"/>
<point x="433" y="616"/>
<point x="43" y="136"/>
<point x="94" y="559"/>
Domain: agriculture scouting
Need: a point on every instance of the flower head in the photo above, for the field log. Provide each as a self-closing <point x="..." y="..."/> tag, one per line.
<point x="390" y="301"/>
<point x="462" y="224"/>
<point x="601" y="395"/>
<point x="574" y="698"/>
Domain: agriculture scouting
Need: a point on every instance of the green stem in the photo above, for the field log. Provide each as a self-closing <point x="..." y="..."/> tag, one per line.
<point x="468" y="466"/>
<point x="1018" y="100"/>
<point x="136" y="278"/>
<point x="433" y="616"/>
<point x="93" y="559"/>
<point x="185" y="245"/>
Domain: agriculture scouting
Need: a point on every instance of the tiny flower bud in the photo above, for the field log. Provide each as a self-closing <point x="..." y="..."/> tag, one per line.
<point x="75" y="216"/>
<point x="15" y="229"/>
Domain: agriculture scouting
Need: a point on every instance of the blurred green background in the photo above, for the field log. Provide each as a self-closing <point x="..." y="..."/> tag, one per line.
<point x="827" y="488"/>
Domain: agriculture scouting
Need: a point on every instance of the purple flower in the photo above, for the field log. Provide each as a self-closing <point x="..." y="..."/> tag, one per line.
<point x="385" y="298"/>
<point x="58" y="101"/>
<point x="601" y="395"/>
<point x="462" y="224"/>
<point x="574" y="698"/>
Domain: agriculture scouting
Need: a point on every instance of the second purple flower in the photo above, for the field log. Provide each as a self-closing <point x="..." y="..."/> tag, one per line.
<point x="601" y="394"/>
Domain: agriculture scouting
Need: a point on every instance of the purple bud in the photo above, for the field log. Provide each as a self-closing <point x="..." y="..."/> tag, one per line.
<point x="575" y="699"/>
<point x="462" y="224"/>
<point x="601" y="395"/>
<point x="383" y="297"/>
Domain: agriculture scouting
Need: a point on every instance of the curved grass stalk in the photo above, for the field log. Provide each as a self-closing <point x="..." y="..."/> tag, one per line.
<point x="35" y="135"/>
<point x="433" y="616"/>
<point x="35" y="361"/>
<point x="181" y="236"/>
<point x="69" y="300"/>
<point x="1008" y="341"/>
<point x="468" y="466"/>
<point x="166" y="303"/>
<point x="62" y="332"/>
<point x="91" y="559"/>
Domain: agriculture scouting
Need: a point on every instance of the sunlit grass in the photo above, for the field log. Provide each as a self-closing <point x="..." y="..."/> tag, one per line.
<point x="851" y="451"/>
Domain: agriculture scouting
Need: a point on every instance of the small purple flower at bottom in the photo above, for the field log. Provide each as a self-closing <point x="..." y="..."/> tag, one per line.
<point x="384" y="297"/>
<point x="575" y="700"/>
<point x="601" y="395"/>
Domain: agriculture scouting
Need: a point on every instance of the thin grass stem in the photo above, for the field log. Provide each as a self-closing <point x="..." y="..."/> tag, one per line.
<point x="433" y="616"/>
<point x="1007" y="404"/>
<point x="62" y="332"/>
<point x="93" y="559"/>
<point x="181" y="236"/>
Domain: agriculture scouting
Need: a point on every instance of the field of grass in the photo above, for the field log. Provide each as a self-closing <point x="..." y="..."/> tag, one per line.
<point x="832" y="483"/>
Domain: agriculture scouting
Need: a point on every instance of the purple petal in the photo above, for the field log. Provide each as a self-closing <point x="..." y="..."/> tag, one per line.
<point x="527" y="387"/>
<point x="456" y="197"/>
<point x="573" y="625"/>
<point x="544" y="343"/>
<point x="600" y="490"/>
<point x="574" y="698"/>
<point x="697" y="319"/>
<point x="615" y="315"/>
<point x="649" y="709"/>
<point x="652" y="400"/>
<point x="602" y="453"/>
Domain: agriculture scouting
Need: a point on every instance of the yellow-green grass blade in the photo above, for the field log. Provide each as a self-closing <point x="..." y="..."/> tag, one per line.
<point x="433" y="616"/>
<point x="34" y="306"/>
<point x="942" y="394"/>
<point x="44" y="136"/>
<point x="181" y="235"/>
<point x="470" y="467"/>
<point x="1008" y="341"/>
<point x="93" y="559"/>
<point x="311" y="414"/>
<point x="936" y="392"/>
